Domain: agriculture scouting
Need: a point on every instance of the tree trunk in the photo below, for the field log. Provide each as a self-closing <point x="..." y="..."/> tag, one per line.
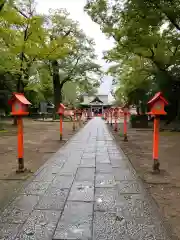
<point x="56" y="86"/>
<point x="138" y="109"/>
<point x="2" y="5"/>
<point x="143" y="108"/>
<point x="178" y="110"/>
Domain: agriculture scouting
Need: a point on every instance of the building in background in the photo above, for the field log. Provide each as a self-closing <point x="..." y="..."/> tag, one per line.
<point x="95" y="105"/>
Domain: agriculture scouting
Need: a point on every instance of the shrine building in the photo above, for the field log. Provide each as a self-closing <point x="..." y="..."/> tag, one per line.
<point x="95" y="105"/>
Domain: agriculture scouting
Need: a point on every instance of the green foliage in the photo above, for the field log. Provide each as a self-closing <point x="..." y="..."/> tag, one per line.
<point x="133" y="118"/>
<point x="146" y="49"/>
<point x="42" y="53"/>
<point x="70" y="93"/>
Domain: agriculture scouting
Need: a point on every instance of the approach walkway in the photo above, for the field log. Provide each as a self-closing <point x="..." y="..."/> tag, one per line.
<point x="88" y="191"/>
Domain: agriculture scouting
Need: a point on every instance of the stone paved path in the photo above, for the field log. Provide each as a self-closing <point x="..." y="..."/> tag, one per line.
<point x="87" y="190"/>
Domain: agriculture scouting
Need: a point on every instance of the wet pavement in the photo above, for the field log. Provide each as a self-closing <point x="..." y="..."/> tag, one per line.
<point x="87" y="191"/>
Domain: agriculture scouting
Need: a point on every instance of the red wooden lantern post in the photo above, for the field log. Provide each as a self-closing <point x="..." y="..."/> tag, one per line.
<point x="108" y="116"/>
<point x="74" y="119"/>
<point x="19" y="109"/>
<point x="125" y="113"/>
<point x="111" y="116"/>
<point x="116" y="111"/>
<point x="61" y="113"/>
<point x="157" y="104"/>
<point x="86" y="115"/>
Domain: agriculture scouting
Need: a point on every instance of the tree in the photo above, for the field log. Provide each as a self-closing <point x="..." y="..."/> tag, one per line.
<point x="79" y="65"/>
<point x="42" y="53"/>
<point x="70" y="93"/>
<point x="146" y="31"/>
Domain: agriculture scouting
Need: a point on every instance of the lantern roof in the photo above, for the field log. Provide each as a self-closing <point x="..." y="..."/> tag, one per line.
<point x="156" y="97"/>
<point x="20" y="97"/>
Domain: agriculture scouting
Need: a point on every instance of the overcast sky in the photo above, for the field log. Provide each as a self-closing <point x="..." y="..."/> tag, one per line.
<point x="75" y="8"/>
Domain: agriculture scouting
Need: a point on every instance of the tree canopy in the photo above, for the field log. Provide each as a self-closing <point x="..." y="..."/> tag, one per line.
<point x="40" y="53"/>
<point x="146" y="50"/>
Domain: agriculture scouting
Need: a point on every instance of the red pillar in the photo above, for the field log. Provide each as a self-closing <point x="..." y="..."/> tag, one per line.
<point x="74" y="121"/>
<point x="61" y="126"/>
<point x="20" y="145"/>
<point x="156" y="144"/>
<point x="125" y="128"/>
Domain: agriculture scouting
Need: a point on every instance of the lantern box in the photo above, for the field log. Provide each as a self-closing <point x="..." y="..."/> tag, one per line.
<point x="115" y="112"/>
<point x="157" y="104"/>
<point x="78" y="112"/>
<point x="125" y="110"/>
<point x="19" y="104"/>
<point x="61" y="109"/>
<point x="111" y="110"/>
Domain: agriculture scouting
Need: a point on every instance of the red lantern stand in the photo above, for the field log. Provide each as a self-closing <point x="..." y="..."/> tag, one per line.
<point x="116" y="115"/>
<point x="86" y="115"/>
<point x="157" y="104"/>
<point x="74" y="119"/>
<point x="125" y="113"/>
<point x="111" y="116"/>
<point x="104" y="115"/>
<point x="61" y="113"/>
<point x="19" y="109"/>
<point x="120" y="114"/>
<point x="107" y="116"/>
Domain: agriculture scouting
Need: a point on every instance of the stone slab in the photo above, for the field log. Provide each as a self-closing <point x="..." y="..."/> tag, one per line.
<point x="104" y="180"/>
<point x="76" y="222"/>
<point x="102" y="159"/>
<point x="115" y="156"/>
<point x="132" y="187"/>
<point x="45" y="176"/>
<point x="82" y="191"/>
<point x="85" y="174"/>
<point x="123" y="174"/>
<point x="18" y="211"/>
<point x="119" y="163"/>
<point x="53" y="192"/>
<point x="87" y="162"/>
<point x="36" y="188"/>
<point x="89" y="155"/>
<point x="104" y="168"/>
<point x="51" y="203"/>
<point x="69" y="170"/>
<point x="62" y="182"/>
